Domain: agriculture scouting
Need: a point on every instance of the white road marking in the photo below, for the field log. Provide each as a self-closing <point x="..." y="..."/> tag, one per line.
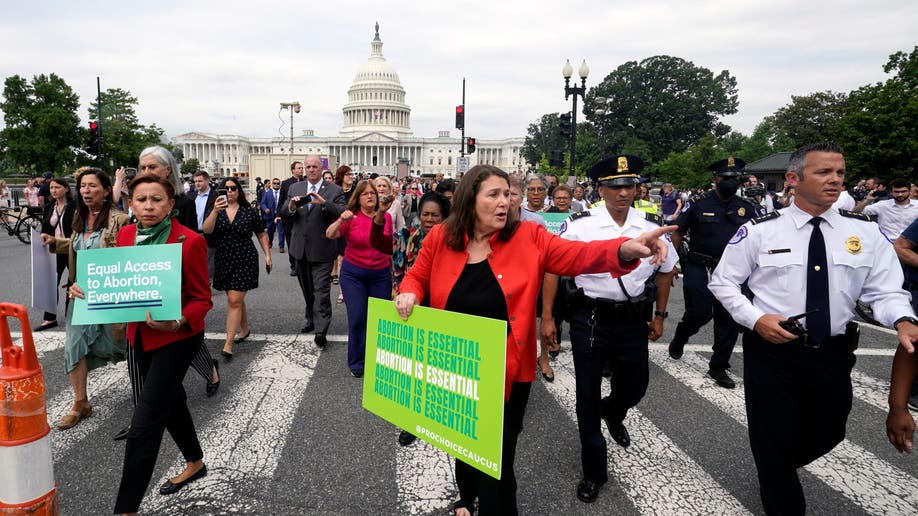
<point x="868" y="481"/>
<point x="244" y="444"/>
<point x="654" y="472"/>
<point x="425" y="479"/>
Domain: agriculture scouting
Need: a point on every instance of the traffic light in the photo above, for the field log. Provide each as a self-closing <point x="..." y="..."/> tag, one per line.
<point x="469" y="145"/>
<point x="460" y="117"/>
<point x="556" y="159"/>
<point x="564" y="125"/>
<point x="95" y="139"/>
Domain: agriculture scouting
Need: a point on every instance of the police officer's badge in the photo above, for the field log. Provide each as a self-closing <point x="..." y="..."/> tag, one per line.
<point x="741" y="212"/>
<point x="853" y="244"/>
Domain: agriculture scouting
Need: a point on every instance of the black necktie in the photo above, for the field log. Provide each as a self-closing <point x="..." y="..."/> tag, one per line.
<point x="818" y="325"/>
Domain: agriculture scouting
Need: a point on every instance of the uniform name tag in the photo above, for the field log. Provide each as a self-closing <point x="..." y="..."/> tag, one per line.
<point x="778" y="251"/>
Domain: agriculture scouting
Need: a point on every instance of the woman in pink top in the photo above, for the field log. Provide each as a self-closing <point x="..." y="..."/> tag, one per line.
<point x="365" y="271"/>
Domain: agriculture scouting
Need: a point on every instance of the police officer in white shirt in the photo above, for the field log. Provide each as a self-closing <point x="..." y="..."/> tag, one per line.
<point x="609" y="317"/>
<point x="798" y="378"/>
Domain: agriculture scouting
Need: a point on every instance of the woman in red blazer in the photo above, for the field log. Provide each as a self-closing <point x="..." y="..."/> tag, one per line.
<point x="490" y="264"/>
<point x="163" y="349"/>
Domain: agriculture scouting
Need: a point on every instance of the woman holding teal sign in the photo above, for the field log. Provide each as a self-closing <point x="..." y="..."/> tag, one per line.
<point x="96" y="221"/>
<point x="163" y="350"/>
<point x="490" y="264"/>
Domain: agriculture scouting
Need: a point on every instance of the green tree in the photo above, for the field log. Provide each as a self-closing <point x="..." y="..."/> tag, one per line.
<point x="666" y="102"/>
<point x="689" y="169"/>
<point x="190" y="167"/>
<point x="42" y="127"/>
<point x="812" y="118"/>
<point x="764" y="141"/>
<point x="878" y="132"/>
<point x="122" y="133"/>
<point x="542" y="137"/>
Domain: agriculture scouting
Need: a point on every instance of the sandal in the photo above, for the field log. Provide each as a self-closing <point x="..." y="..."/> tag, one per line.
<point x="334" y="278"/>
<point x="340" y="299"/>
<point x="75" y="416"/>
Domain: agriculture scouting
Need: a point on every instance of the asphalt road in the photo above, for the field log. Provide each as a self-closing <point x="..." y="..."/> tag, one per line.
<point x="286" y="433"/>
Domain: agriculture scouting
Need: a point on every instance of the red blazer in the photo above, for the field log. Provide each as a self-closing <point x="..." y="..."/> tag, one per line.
<point x="519" y="265"/>
<point x="196" y="301"/>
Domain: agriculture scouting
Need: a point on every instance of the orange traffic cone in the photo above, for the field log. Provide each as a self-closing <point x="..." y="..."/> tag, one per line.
<point x="27" y="474"/>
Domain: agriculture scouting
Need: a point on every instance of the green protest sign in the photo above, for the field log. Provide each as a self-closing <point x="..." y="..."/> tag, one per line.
<point x="553" y="221"/>
<point x="440" y="375"/>
<point x="121" y="283"/>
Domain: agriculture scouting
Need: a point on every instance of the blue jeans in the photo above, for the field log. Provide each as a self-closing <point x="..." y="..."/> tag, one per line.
<point x="358" y="285"/>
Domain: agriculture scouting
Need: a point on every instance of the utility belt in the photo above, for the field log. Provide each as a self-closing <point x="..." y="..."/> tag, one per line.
<point x="702" y="259"/>
<point x="639" y="306"/>
<point x="844" y="343"/>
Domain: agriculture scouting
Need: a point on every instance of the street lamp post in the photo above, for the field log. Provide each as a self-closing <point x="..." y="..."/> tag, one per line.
<point x="294" y="107"/>
<point x="575" y="90"/>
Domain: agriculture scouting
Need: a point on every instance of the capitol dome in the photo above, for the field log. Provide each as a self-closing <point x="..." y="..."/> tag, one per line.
<point x="376" y="99"/>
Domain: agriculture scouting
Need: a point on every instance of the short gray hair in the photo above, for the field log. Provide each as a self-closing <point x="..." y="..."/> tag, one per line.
<point x="166" y="159"/>
<point x="534" y="177"/>
<point x="798" y="159"/>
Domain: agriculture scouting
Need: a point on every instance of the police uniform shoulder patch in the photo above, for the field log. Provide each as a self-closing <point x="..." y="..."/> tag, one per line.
<point x="765" y="218"/>
<point x="653" y="217"/>
<point x="740" y="235"/>
<point x="866" y="217"/>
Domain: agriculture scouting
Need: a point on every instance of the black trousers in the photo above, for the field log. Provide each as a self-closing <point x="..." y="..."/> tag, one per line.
<point x="315" y="283"/>
<point x="161" y="407"/>
<point x="797" y="405"/>
<point x="700" y="307"/>
<point x="497" y="496"/>
<point x="598" y="336"/>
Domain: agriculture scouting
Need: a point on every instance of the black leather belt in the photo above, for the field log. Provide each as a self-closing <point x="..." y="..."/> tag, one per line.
<point x="702" y="259"/>
<point x="611" y="304"/>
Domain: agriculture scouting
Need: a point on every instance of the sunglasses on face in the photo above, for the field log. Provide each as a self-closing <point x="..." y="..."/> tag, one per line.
<point x="232" y="188"/>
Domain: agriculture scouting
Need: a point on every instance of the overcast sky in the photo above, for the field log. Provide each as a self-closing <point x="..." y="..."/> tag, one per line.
<point x="224" y="66"/>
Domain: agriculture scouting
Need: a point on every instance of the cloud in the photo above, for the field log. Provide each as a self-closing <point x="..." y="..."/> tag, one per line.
<point x="224" y="67"/>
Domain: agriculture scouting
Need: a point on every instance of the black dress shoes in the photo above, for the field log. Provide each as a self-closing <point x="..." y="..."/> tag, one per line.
<point x="169" y="487"/>
<point x="722" y="378"/>
<point x="675" y="350"/>
<point x="405" y="438"/>
<point x="357" y="373"/>
<point x="588" y="491"/>
<point x="213" y="386"/>
<point x="321" y="341"/>
<point x="620" y="435"/>
<point x="122" y="434"/>
<point x="47" y="326"/>
<point x="293" y="272"/>
<point x="308" y="328"/>
<point x="226" y="355"/>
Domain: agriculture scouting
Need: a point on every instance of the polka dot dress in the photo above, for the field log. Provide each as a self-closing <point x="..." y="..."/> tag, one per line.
<point x="236" y="258"/>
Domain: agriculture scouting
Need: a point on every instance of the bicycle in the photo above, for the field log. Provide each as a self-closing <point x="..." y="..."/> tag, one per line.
<point x="18" y="222"/>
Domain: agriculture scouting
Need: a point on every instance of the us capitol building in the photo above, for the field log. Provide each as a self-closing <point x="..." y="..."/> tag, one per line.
<point x="376" y="137"/>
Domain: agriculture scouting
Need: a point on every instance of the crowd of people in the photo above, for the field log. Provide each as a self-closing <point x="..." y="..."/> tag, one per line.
<point x="607" y="271"/>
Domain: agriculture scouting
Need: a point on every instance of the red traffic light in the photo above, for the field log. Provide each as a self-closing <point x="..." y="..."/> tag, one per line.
<point x="93" y="126"/>
<point x="459" y="109"/>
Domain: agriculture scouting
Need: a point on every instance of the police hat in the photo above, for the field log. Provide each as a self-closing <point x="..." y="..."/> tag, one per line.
<point x="728" y="167"/>
<point x="617" y="171"/>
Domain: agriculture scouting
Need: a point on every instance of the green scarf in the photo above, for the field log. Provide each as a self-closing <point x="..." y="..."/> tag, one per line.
<point x="158" y="234"/>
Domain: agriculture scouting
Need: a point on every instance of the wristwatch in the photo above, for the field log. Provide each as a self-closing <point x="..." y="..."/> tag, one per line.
<point x="661" y="314"/>
<point x="906" y="318"/>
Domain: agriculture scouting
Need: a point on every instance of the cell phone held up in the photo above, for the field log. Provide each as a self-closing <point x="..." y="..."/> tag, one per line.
<point x="221" y="194"/>
<point x="304" y="200"/>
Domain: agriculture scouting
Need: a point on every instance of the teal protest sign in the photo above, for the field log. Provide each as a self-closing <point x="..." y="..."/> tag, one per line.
<point x="121" y="283"/>
<point x="553" y="221"/>
<point x="440" y="375"/>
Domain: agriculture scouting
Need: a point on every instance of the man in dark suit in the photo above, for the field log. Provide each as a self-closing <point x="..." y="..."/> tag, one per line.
<point x="203" y="197"/>
<point x="269" y="204"/>
<point x="296" y="169"/>
<point x="313" y="205"/>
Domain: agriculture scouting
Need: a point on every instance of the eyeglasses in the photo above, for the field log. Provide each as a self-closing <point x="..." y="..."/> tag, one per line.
<point x="232" y="188"/>
<point x="562" y="198"/>
<point x="537" y="189"/>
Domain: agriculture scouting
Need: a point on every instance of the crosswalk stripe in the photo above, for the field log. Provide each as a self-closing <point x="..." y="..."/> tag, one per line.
<point x="675" y="484"/>
<point x="858" y="474"/>
<point x="870" y="390"/>
<point x="245" y="442"/>
<point x="425" y="479"/>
